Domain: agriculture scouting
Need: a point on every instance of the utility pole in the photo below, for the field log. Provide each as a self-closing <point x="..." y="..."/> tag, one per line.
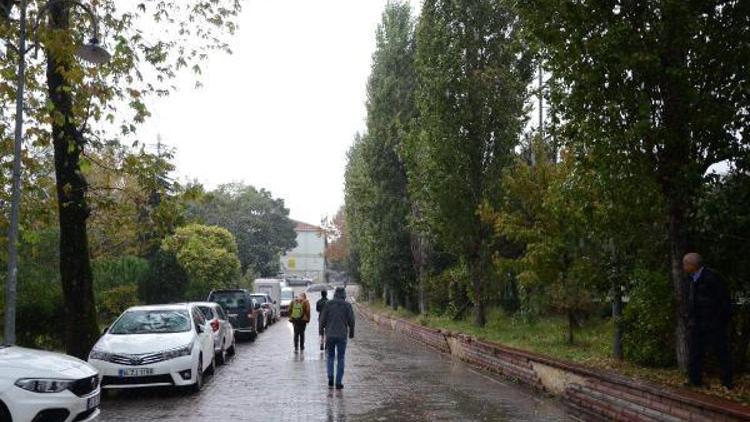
<point x="9" y="334"/>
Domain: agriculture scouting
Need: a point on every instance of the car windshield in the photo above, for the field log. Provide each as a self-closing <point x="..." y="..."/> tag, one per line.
<point x="229" y="300"/>
<point x="260" y="298"/>
<point x="207" y="312"/>
<point x="160" y="321"/>
<point x="287" y="295"/>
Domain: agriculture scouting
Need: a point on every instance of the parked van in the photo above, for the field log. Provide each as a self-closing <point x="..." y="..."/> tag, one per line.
<point x="271" y="287"/>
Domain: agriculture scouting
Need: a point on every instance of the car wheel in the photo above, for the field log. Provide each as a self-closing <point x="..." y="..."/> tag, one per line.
<point x="231" y="351"/>
<point x="4" y="413"/>
<point x="253" y="336"/>
<point x="198" y="386"/>
<point x="222" y="354"/>
<point x="212" y="366"/>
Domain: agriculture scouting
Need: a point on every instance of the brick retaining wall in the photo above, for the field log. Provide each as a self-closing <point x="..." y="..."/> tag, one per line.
<point x="591" y="394"/>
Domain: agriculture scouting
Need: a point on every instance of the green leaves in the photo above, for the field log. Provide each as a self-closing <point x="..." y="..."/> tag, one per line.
<point x="377" y="203"/>
<point x="259" y="222"/>
<point x="208" y="255"/>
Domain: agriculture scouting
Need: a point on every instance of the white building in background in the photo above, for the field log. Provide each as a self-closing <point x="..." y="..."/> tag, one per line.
<point x="308" y="259"/>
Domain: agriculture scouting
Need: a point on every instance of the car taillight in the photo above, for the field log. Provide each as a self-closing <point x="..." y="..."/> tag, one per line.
<point x="215" y="325"/>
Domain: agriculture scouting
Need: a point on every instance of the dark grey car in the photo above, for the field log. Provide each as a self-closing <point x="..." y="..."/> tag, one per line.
<point x="244" y="312"/>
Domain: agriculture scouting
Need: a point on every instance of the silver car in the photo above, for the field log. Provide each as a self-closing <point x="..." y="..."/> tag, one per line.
<point x="223" y="333"/>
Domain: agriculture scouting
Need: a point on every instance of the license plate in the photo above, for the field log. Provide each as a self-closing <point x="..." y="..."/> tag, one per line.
<point x="93" y="402"/>
<point x="136" y="372"/>
<point x="232" y="315"/>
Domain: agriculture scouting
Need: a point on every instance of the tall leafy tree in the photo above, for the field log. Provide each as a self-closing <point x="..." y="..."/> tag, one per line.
<point x="473" y="71"/>
<point x="390" y="109"/>
<point x="655" y="83"/>
<point x="73" y="107"/>
<point x="377" y="200"/>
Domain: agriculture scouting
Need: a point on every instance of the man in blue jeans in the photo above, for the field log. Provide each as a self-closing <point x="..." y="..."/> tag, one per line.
<point x="336" y="322"/>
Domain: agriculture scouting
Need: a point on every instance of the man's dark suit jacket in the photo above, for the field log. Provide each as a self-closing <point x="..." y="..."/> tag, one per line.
<point x="709" y="304"/>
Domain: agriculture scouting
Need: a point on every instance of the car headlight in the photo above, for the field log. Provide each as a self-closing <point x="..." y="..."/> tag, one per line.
<point x="99" y="355"/>
<point x="44" y="385"/>
<point x="185" y="350"/>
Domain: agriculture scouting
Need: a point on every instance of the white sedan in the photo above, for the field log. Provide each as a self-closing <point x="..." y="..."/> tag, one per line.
<point x="157" y="345"/>
<point x="37" y="385"/>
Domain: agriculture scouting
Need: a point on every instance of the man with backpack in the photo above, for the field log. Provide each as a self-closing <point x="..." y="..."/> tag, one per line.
<point x="299" y="316"/>
<point x="319" y="306"/>
<point x="336" y="322"/>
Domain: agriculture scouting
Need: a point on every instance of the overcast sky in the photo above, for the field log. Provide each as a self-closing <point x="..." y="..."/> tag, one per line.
<point x="281" y="112"/>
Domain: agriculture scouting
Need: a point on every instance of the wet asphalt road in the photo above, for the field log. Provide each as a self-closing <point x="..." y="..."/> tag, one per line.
<point x="388" y="378"/>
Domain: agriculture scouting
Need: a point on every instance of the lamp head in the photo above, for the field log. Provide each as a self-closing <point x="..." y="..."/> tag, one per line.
<point x="93" y="53"/>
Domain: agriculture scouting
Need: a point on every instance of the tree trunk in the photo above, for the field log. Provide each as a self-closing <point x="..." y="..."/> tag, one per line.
<point x="677" y="249"/>
<point x="678" y="173"/>
<point x="617" y="320"/>
<point x="81" y="329"/>
<point x="475" y="271"/>
<point x="422" y="303"/>
<point x="571" y="326"/>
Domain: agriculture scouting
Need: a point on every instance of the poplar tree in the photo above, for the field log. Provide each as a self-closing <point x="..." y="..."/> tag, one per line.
<point x="473" y="70"/>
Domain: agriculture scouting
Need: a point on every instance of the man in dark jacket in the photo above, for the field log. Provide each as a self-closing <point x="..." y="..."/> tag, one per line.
<point x="709" y="311"/>
<point x="319" y="306"/>
<point x="336" y="322"/>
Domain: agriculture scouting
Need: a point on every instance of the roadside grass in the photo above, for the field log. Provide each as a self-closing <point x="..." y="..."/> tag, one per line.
<point x="592" y="345"/>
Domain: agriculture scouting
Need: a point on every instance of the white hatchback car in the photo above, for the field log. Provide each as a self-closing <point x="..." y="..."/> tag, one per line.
<point x="37" y="385"/>
<point x="157" y="345"/>
<point x="224" y="343"/>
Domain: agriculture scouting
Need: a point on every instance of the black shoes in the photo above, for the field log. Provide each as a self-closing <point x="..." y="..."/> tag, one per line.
<point x="339" y="386"/>
<point x="330" y="383"/>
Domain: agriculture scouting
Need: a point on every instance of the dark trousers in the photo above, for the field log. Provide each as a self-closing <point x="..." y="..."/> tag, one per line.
<point x="702" y="339"/>
<point x="299" y="334"/>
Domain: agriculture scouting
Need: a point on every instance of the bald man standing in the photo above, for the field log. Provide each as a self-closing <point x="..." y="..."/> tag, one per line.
<point x="709" y="311"/>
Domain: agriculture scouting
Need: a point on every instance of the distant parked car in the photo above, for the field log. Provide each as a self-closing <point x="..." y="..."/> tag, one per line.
<point x="44" y="386"/>
<point x="243" y="311"/>
<point x="319" y="287"/>
<point x="268" y="307"/>
<point x="298" y="281"/>
<point x="157" y="345"/>
<point x="222" y="330"/>
<point x="287" y="295"/>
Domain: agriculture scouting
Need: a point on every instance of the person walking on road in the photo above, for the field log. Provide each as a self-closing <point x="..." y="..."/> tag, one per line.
<point x="709" y="312"/>
<point x="299" y="316"/>
<point x="336" y="322"/>
<point x="319" y="306"/>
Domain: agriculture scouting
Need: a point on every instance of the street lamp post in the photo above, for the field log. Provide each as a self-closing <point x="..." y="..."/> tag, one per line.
<point x="90" y="52"/>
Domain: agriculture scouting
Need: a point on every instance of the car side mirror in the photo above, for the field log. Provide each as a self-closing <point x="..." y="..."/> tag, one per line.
<point x="257" y="305"/>
<point x="199" y="328"/>
<point x="105" y="329"/>
<point x="274" y="302"/>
